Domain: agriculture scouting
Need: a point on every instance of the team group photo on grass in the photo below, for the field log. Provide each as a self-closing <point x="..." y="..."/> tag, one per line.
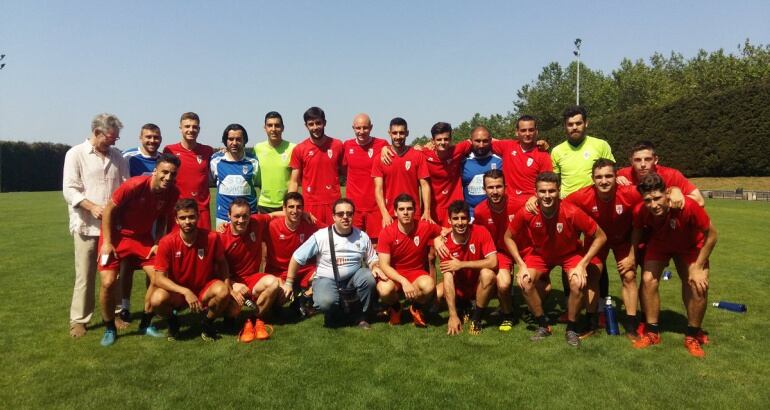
<point x="385" y="205"/>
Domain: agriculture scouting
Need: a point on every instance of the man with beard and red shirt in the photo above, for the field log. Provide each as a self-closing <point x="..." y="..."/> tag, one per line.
<point x="686" y="235"/>
<point x="359" y="155"/>
<point x="644" y="161"/>
<point x="495" y="213"/>
<point x="468" y="257"/>
<point x="407" y="173"/>
<point x="193" y="177"/>
<point x="523" y="160"/>
<point x="315" y="165"/>
<point x="553" y="237"/>
<point x="403" y="251"/>
<point x="612" y="207"/>
<point x="127" y="223"/>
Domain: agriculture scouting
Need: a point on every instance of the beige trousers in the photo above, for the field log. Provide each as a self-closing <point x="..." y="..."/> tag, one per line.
<point x="83" y="298"/>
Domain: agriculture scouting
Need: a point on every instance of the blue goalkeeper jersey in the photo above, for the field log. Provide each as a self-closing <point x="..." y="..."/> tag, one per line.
<point x="234" y="179"/>
<point x="473" y="177"/>
<point x="138" y="163"/>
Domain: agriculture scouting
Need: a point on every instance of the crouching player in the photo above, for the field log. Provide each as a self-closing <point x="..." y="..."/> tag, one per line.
<point x="468" y="257"/>
<point x="403" y="251"/>
<point x="687" y="236"/>
<point x="612" y="207"/>
<point x="554" y="239"/>
<point x="286" y="234"/>
<point x="495" y="214"/>
<point x="191" y="271"/>
<point x="126" y="235"/>
<point x="242" y="240"/>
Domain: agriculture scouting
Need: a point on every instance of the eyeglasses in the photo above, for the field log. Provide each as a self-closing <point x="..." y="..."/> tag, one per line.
<point x="343" y="214"/>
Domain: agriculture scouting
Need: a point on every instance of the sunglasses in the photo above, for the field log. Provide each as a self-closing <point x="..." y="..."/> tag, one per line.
<point x="343" y="214"/>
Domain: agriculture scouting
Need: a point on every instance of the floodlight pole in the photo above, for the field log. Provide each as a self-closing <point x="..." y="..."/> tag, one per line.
<point x="578" y="42"/>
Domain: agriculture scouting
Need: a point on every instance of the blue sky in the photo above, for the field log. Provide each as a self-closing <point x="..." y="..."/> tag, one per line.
<point x="232" y="61"/>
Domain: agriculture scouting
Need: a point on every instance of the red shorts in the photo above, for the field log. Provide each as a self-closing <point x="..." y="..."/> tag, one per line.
<point x="199" y="292"/>
<point x="411" y="275"/>
<point x="253" y="279"/>
<point x="127" y="247"/>
<point x="369" y="222"/>
<point x="302" y="278"/>
<point x="654" y="253"/>
<point x="504" y="261"/>
<point x="322" y="212"/>
<point x="466" y="283"/>
<point x="540" y="264"/>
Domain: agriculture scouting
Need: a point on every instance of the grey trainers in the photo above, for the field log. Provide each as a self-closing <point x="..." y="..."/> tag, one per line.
<point x="573" y="339"/>
<point x="540" y="334"/>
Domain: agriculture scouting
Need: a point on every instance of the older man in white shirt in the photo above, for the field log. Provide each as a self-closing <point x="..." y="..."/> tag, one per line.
<point x="92" y="171"/>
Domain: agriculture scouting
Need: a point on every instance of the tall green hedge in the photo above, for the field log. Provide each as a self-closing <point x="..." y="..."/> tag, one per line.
<point x="725" y="133"/>
<point x="31" y="167"/>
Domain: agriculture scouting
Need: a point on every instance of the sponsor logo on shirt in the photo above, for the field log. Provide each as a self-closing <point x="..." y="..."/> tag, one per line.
<point x="282" y="237"/>
<point x="595" y="209"/>
<point x="201" y="253"/>
<point x="490" y="221"/>
<point x="351" y="151"/>
<point x="178" y="254"/>
<point x="456" y="254"/>
<point x="559" y="227"/>
<point x="513" y="153"/>
<point x="538" y="224"/>
<point x="311" y="153"/>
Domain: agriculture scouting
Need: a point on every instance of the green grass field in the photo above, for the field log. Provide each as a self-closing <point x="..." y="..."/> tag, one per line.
<point x="305" y="365"/>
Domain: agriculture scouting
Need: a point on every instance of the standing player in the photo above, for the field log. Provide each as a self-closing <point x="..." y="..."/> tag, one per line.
<point x="478" y="162"/>
<point x="403" y="251"/>
<point x="234" y="172"/>
<point x="126" y="235"/>
<point x="242" y="241"/>
<point x="193" y="177"/>
<point x="445" y="168"/>
<point x="644" y="161"/>
<point x="407" y="173"/>
<point x="316" y="164"/>
<point x="141" y="161"/>
<point x="612" y="207"/>
<point x="286" y="234"/>
<point x="554" y="235"/>
<point x="274" y="172"/>
<point x="359" y="154"/>
<point x="191" y="271"/>
<point x="468" y="256"/>
<point x="687" y="236"/>
<point x="523" y="160"/>
<point x="495" y="214"/>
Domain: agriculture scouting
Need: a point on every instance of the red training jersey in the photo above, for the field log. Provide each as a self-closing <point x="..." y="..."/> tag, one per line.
<point x="671" y="176"/>
<point x="521" y="167"/>
<point x="495" y="222"/>
<point x="359" y="159"/>
<point x="445" y="179"/>
<point x="189" y="266"/>
<point x="319" y="167"/>
<point x="244" y="252"/>
<point x="192" y="178"/>
<point x="556" y="237"/>
<point x="615" y="216"/>
<point x="408" y="251"/>
<point x="402" y="177"/>
<point x="679" y="231"/>
<point x="137" y="207"/>
<point x="283" y="242"/>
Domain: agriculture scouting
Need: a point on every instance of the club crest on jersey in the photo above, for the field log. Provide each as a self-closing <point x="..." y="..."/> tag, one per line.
<point x="472" y="248"/>
<point x="284" y="157"/>
<point x="407" y="165"/>
<point x="416" y="241"/>
<point x="559" y="227"/>
<point x="253" y="237"/>
<point x="199" y="158"/>
<point x="370" y="152"/>
<point x="510" y="217"/>
<point x="301" y="237"/>
<point x="445" y="192"/>
<point x="245" y="169"/>
<point x="586" y="154"/>
<point x="494" y="166"/>
<point x="672" y="222"/>
<point x="329" y="153"/>
<point x="201" y="253"/>
<point x="619" y="209"/>
<point x="530" y="161"/>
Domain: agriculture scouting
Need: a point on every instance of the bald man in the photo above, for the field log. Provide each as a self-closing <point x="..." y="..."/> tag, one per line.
<point x="479" y="161"/>
<point x="359" y="153"/>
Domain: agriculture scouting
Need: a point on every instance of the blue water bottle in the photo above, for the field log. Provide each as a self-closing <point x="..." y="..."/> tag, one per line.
<point x="734" y="307"/>
<point x="609" y="316"/>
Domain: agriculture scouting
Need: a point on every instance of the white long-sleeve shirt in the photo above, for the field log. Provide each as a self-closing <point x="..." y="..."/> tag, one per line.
<point x="89" y="174"/>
